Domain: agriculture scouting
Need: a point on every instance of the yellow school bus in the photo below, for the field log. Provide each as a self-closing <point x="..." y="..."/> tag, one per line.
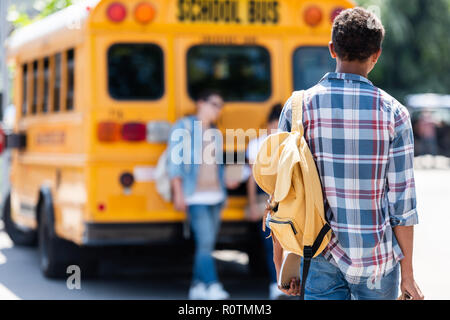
<point x="97" y="87"/>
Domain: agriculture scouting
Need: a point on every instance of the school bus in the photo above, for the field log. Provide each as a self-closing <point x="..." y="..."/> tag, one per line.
<point x="97" y="87"/>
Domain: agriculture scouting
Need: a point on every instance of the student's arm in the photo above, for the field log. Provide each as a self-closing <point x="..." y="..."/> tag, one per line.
<point x="252" y="199"/>
<point x="402" y="198"/>
<point x="177" y="138"/>
<point x="277" y="254"/>
<point x="295" y="288"/>
<point x="178" y="195"/>
<point x="405" y="238"/>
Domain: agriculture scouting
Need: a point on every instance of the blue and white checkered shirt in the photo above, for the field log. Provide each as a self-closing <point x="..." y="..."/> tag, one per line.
<point x="362" y="142"/>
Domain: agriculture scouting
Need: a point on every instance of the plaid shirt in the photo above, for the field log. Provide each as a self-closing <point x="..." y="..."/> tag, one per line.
<point x="362" y="142"/>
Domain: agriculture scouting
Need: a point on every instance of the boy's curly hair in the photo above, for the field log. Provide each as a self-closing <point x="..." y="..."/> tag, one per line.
<point x="357" y="34"/>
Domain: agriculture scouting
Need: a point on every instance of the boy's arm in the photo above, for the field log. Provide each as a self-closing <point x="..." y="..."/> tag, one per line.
<point x="405" y="238"/>
<point x="277" y="254"/>
<point x="255" y="213"/>
<point x="295" y="288"/>
<point x="402" y="197"/>
<point x="177" y="137"/>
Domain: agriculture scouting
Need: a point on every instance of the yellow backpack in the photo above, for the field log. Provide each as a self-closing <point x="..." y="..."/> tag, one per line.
<point x="285" y="169"/>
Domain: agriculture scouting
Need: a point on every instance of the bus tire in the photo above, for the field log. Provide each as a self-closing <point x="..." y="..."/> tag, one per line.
<point x="55" y="254"/>
<point x="18" y="236"/>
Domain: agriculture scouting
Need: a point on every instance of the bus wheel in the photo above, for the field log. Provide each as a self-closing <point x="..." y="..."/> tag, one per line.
<point x="18" y="236"/>
<point x="55" y="254"/>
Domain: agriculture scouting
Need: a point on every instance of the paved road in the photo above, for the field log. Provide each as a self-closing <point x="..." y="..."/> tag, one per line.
<point x="20" y="277"/>
<point x="128" y="277"/>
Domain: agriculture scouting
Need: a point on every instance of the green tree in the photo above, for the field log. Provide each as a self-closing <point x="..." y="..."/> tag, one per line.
<point x="44" y="7"/>
<point x="416" y="48"/>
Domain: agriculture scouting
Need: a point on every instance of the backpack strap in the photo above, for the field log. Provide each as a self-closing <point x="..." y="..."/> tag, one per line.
<point x="297" y="112"/>
<point x="308" y="253"/>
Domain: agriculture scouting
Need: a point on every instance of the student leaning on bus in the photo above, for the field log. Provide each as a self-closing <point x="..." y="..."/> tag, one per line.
<point x="362" y="142"/>
<point x="199" y="187"/>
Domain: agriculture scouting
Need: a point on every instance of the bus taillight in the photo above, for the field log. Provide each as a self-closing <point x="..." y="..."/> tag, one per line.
<point x="313" y="16"/>
<point x="144" y="13"/>
<point x="109" y="131"/>
<point x="116" y="12"/>
<point x="134" y="131"/>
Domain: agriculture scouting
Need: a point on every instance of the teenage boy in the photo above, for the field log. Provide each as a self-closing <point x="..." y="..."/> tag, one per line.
<point x="362" y="142"/>
<point x="199" y="189"/>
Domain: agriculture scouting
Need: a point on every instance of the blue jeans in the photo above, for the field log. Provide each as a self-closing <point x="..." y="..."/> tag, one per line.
<point x="268" y="247"/>
<point x="205" y="223"/>
<point x="326" y="282"/>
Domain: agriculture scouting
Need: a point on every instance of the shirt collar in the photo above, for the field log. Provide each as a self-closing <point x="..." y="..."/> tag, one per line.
<point x="346" y="76"/>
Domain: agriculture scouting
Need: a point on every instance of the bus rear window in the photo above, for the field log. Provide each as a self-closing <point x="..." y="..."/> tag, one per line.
<point x="310" y="65"/>
<point x="240" y="73"/>
<point x="135" y="71"/>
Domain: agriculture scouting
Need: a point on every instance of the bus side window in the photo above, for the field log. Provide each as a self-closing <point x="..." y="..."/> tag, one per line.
<point x="35" y="87"/>
<point x="24" y="89"/>
<point x="70" y="79"/>
<point x="57" y="84"/>
<point x="46" y="85"/>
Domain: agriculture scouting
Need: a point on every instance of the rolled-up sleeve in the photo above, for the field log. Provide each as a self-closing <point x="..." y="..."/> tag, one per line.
<point x="400" y="175"/>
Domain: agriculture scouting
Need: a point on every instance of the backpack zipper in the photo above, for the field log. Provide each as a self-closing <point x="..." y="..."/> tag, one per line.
<point x="284" y="222"/>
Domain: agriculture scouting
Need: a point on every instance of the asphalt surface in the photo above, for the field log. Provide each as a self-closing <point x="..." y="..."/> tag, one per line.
<point x="168" y="277"/>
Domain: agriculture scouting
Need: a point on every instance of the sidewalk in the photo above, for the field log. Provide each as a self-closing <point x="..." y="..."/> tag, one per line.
<point x="432" y="247"/>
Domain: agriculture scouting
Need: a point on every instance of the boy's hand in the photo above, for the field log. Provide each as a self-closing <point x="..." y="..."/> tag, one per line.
<point x="294" y="289"/>
<point x="410" y="287"/>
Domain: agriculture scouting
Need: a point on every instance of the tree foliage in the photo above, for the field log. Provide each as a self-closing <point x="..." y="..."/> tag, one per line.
<point x="43" y="7"/>
<point x="416" y="50"/>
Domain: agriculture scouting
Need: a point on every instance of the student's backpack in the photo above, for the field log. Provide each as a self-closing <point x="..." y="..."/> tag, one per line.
<point x="285" y="169"/>
<point x="162" y="179"/>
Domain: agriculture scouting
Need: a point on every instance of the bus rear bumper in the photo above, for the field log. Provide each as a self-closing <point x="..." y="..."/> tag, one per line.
<point x="231" y="235"/>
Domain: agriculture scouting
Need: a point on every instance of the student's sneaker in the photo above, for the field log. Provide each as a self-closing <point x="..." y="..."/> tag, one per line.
<point x="198" y="292"/>
<point x="216" y="292"/>
<point x="275" y="293"/>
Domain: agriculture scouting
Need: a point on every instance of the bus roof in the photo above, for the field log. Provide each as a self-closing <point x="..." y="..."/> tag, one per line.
<point x="69" y="25"/>
<point x="71" y="19"/>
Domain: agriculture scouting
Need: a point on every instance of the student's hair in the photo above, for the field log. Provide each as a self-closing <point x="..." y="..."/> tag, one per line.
<point x="206" y="94"/>
<point x="357" y="34"/>
<point x="275" y="113"/>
